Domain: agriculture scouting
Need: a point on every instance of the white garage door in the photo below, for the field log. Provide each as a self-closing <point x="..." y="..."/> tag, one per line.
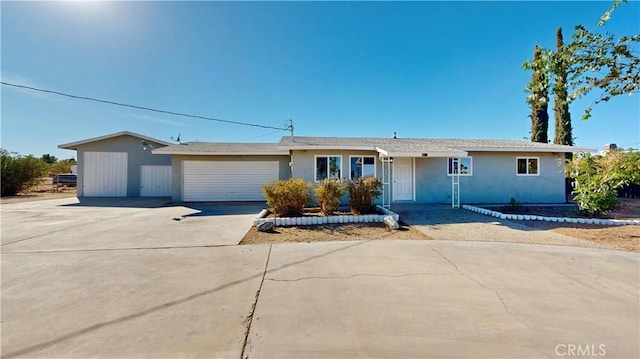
<point x="155" y="181"/>
<point x="105" y="174"/>
<point x="227" y="181"/>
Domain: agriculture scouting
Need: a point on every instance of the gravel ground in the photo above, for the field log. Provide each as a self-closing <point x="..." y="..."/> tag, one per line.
<point x="444" y="223"/>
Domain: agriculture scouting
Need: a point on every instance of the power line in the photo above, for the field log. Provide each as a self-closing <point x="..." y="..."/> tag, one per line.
<point x="142" y="107"/>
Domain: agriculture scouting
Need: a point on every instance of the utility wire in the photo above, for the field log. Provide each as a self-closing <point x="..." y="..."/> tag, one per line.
<point x="142" y="107"/>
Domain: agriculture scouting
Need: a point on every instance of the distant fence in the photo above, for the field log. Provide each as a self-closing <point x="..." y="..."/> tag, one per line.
<point x="628" y="191"/>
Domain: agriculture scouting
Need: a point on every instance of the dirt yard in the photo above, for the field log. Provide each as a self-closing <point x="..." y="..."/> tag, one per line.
<point x="625" y="237"/>
<point x="332" y="232"/>
<point x="43" y="191"/>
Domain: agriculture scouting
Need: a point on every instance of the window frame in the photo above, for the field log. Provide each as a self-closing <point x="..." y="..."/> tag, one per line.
<point x="315" y="166"/>
<point x="527" y="166"/>
<point x="375" y="170"/>
<point x="460" y="174"/>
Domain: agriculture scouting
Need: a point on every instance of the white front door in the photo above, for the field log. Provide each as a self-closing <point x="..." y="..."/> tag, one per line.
<point x="402" y="179"/>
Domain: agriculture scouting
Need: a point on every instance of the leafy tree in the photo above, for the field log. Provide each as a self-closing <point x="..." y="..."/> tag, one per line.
<point x="595" y="62"/>
<point x="563" y="131"/>
<point x="597" y="179"/>
<point x="538" y="99"/>
<point x="47" y="158"/>
<point x="19" y="173"/>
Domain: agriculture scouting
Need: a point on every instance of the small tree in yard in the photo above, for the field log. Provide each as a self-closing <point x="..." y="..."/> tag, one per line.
<point x="597" y="179"/>
<point x="19" y="173"/>
<point x="287" y="198"/>
<point x="362" y="194"/>
<point x="329" y="194"/>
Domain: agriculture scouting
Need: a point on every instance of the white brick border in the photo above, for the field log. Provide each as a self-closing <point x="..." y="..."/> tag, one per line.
<point x="315" y="220"/>
<point x="526" y="217"/>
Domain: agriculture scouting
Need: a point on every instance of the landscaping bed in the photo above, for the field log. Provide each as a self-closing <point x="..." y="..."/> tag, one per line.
<point x="333" y="232"/>
<point x="620" y="237"/>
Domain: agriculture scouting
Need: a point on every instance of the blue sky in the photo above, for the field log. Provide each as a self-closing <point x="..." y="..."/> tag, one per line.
<point x="363" y="69"/>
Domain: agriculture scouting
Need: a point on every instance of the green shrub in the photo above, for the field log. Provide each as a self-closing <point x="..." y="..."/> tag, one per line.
<point x="19" y="173"/>
<point x="597" y="179"/>
<point x="287" y="198"/>
<point x="362" y="194"/>
<point x="514" y="205"/>
<point x="329" y="195"/>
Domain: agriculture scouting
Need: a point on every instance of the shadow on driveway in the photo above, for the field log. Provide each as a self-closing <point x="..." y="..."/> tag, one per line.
<point x="203" y="208"/>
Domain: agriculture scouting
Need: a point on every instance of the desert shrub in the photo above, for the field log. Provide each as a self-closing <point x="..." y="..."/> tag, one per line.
<point x="287" y="197"/>
<point x="329" y="195"/>
<point x="62" y="166"/>
<point x="514" y="205"/>
<point x="362" y="194"/>
<point x="19" y="173"/>
<point x="597" y="179"/>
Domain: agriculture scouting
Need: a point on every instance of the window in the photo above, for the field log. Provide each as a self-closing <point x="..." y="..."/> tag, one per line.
<point x="527" y="166"/>
<point x="462" y="166"/>
<point x="328" y="167"/>
<point x="361" y="166"/>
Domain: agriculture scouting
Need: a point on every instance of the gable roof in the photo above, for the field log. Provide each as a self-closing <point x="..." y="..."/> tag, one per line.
<point x="74" y="145"/>
<point x="422" y="147"/>
<point x="222" y="148"/>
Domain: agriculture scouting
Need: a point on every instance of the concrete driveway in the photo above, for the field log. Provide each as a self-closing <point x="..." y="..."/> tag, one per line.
<point x="134" y="281"/>
<point x="119" y="223"/>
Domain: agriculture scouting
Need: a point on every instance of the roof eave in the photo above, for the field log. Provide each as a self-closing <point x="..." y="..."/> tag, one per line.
<point x="191" y="153"/>
<point x="327" y="147"/>
<point x="428" y="154"/>
<point x="528" y="149"/>
<point x="74" y="145"/>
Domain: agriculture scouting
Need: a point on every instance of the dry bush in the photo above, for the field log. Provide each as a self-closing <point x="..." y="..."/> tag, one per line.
<point x="329" y="194"/>
<point x="363" y="193"/>
<point x="287" y="197"/>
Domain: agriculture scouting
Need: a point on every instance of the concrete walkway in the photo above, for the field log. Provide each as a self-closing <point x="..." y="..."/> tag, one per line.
<point x="444" y="223"/>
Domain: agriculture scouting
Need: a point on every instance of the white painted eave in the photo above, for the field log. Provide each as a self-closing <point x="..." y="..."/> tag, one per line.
<point x="429" y="154"/>
<point x="328" y="147"/>
<point x="529" y="149"/>
<point x="191" y="153"/>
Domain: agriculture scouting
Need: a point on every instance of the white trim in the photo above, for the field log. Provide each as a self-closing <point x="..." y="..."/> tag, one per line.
<point x="454" y="153"/>
<point x="328" y="147"/>
<point x="382" y="152"/>
<point x="528" y="149"/>
<point x="460" y="174"/>
<point x="187" y="153"/>
<point x="315" y="169"/>
<point x="73" y="145"/>
<point x="527" y="174"/>
<point x="375" y="170"/>
<point x="413" y="169"/>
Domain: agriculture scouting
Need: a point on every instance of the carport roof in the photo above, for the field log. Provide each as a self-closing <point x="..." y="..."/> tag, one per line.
<point x="422" y="146"/>
<point x="222" y="148"/>
<point x="74" y="145"/>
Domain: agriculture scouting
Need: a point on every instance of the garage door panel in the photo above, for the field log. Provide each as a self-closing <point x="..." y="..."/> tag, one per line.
<point x="105" y="174"/>
<point x="227" y="181"/>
